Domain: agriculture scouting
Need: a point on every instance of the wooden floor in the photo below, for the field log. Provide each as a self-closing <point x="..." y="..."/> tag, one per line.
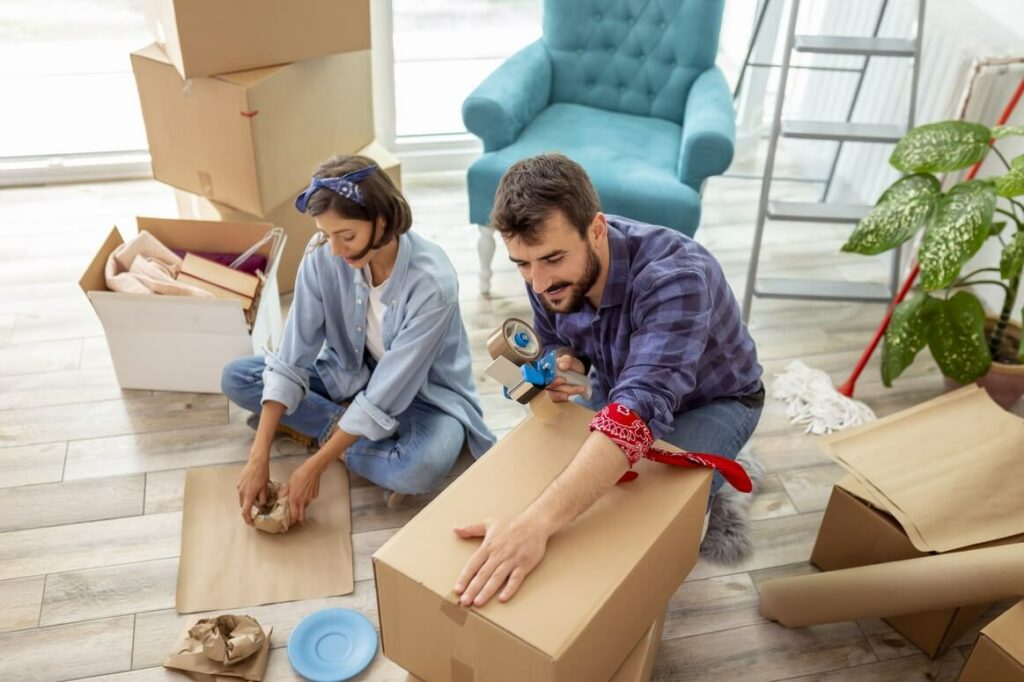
<point x="91" y="476"/>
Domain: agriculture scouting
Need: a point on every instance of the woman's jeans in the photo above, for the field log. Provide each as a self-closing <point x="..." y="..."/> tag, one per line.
<point x="413" y="461"/>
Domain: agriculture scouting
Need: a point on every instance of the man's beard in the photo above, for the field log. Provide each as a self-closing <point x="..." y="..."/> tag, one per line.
<point x="572" y="302"/>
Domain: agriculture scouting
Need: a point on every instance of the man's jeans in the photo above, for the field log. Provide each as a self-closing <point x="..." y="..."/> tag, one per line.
<point x="413" y="461"/>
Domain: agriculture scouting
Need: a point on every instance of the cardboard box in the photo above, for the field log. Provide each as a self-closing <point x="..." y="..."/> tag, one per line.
<point x="640" y="663"/>
<point x="219" y="280"/>
<point x="250" y="139"/>
<point x="956" y="486"/>
<point x="203" y="38"/>
<point x="605" y="577"/>
<point x="299" y="227"/>
<point x="998" y="656"/>
<point x="177" y="343"/>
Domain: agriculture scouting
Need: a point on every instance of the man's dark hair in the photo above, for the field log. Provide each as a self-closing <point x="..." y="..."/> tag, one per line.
<point x="532" y="189"/>
<point x="381" y="197"/>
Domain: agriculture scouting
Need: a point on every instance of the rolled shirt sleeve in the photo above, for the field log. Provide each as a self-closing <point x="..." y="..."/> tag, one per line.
<point x="671" y="320"/>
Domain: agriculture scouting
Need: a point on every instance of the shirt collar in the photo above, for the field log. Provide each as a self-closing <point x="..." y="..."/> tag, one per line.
<point x="397" y="278"/>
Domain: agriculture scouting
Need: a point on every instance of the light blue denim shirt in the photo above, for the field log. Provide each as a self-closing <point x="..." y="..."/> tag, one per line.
<point x="426" y="346"/>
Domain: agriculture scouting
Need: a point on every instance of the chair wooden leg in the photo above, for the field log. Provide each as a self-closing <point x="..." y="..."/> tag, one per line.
<point x="485" y="246"/>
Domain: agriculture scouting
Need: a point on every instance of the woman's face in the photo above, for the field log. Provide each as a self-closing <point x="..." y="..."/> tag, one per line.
<point x="348" y="237"/>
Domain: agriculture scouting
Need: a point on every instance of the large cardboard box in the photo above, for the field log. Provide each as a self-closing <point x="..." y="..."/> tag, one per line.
<point x="998" y="656"/>
<point x="207" y="37"/>
<point x="177" y="343"/>
<point x="250" y="139"/>
<point x="298" y="226"/>
<point x="942" y="476"/>
<point x="605" y="577"/>
<point x="640" y="663"/>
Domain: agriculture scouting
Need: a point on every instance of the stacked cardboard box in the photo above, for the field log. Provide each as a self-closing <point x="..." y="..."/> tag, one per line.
<point x="999" y="653"/>
<point x="242" y="98"/>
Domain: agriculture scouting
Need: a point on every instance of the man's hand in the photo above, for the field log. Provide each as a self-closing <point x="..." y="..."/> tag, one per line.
<point x="303" y="487"/>
<point x="559" y="389"/>
<point x="509" y="552"/>
<point x="252" y="482"/>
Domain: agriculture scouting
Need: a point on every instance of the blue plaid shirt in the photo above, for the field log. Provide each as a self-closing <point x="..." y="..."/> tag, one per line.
<point x="668" y="336"/>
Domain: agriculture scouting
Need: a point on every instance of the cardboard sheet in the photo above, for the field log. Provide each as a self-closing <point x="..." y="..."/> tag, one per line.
<point x="897" y="588"/>
<point x="226" y="564"/>
<point x="950" y="470"/>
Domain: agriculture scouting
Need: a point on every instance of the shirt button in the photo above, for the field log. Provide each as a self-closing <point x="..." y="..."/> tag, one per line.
<point x="359" y="329"/>
<point x="359" y="301"/>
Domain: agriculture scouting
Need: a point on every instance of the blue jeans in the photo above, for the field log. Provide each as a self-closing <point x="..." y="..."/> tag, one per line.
<point x="722" y="427"/>
<point x="413" y="461"/>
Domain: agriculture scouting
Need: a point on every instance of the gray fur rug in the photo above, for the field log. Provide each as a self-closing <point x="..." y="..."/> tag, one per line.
<point x="728" y="538"/>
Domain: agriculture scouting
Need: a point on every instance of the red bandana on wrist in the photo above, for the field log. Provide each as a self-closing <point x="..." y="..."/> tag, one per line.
<point x="627" y="430"/>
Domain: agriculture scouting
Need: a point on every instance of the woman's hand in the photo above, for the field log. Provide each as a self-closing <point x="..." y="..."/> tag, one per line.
<point x="303" y="487"/>
<point x="252" y="483"/>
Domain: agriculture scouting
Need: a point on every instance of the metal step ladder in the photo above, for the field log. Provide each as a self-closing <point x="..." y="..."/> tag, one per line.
<point x="833" y="131"/>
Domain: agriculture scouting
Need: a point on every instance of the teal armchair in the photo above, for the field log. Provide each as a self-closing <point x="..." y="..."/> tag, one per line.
<point x="628" y="89"/>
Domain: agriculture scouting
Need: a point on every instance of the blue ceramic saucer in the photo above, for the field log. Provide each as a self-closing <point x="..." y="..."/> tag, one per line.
<point x="332" y="645"/>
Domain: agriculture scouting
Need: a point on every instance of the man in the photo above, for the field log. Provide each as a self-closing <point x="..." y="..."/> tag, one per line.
<point x="650" y="312"/>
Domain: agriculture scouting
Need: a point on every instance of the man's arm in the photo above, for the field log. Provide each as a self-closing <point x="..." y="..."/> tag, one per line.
<point x="512" y="548"/>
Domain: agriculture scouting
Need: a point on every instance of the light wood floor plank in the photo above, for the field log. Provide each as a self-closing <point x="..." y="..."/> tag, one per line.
<point x="112" y="418"/>
<point x="917" y="668"/>
<point x="63" y="388"/>
<point x="55" y="504"/>
<point x="110" y="591"/>
<point x="89" y="545"/>
<point x="712" y="605"/>
<point x="17" y="359"/>
<point x="32" y="464"/>
<point x="810" y="488"/>
<point x="21" y="600"/>
<point x="67" y="651"/>
<point x="778" y="541"/>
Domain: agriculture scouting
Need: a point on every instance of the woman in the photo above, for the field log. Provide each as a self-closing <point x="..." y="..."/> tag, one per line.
<point x="374" y="365"/>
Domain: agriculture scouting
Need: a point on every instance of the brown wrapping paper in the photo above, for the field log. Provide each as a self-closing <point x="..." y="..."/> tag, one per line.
<point x="202" y="649"/>
<point x="950" y="470"/>
<point x="275" y="516"/>
<point x="226" y="564"/>
<point x="897" y="588"/>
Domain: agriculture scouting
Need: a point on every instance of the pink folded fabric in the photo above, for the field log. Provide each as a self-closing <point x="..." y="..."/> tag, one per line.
<point x="145" y="266"/>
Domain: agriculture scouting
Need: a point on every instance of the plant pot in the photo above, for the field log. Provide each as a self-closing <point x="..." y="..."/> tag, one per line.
<point x="1003" y="382"/>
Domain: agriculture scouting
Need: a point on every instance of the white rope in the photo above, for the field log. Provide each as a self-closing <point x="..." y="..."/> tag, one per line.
<point x="812" y="400"/>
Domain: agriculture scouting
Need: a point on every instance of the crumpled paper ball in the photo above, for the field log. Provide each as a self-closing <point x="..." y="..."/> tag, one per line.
<point x="274" y="516"/>
<point x="228" y="639"/>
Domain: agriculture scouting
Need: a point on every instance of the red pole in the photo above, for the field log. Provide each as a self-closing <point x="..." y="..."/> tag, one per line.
<point x="847" y="388"/>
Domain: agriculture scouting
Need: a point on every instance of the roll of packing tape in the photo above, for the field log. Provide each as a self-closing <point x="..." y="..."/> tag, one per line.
<point x="516" y="341"/>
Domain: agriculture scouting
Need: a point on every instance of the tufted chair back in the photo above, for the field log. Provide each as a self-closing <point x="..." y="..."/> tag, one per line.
<point x="632" y="56"/>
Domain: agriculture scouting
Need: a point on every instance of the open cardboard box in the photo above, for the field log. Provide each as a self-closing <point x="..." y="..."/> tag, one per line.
<point x="605" y="578"/>
<point x="203" y="38"/>
<point x="250" y="139"/>
<point x="179" y="343"/>
<point x="998" y="656"/>
<point x="943" y="476"/>
<point x="298" y="226"/>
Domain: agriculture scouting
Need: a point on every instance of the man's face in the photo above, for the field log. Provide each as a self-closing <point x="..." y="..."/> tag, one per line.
<point x="561" y="267"/>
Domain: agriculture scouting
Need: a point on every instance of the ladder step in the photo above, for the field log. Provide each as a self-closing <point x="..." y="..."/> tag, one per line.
<point x="812" y="212"/>
<point x="823" y="290"/>
<point x="856" y="45"/>
<point x="841" y="130"/>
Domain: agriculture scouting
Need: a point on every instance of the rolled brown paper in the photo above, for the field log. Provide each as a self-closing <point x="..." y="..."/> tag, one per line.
<point x="897" y="588"/>
<point x="499" y="344"/>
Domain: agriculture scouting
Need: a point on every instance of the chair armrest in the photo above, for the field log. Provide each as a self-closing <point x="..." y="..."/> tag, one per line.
<point x="508" y="99"/>
<point x="709" y="129"/>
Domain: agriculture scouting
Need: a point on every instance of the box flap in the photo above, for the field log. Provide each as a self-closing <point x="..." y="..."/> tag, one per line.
<point x="948" y="470"/>
<point x="95" y="278"/>
<point x="207" y="235"/>
<point x="585" y="562"/>
<point x="1007" y="631"/>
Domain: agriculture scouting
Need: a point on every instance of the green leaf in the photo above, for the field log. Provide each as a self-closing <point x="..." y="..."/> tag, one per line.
<point x="956" y="337"/>
<point x="997" y="228"/>
<point x="962" y="222"/>
<point x="900" y="212"/>
<point x="905" y="336"/>
<point x="1012" y="184"/>
<point x="1000" y="132"/>
<point x="1012" y="260"/>
<point x="940" y="147"/>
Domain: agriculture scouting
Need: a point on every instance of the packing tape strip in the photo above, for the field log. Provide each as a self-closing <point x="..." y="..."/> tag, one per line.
<point x="455" y="611"/>
<point x="501" y="343"/>
<point x="462" y="672"/>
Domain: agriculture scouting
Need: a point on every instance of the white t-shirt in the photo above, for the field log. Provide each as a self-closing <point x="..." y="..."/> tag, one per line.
<point x="374" y="316"/>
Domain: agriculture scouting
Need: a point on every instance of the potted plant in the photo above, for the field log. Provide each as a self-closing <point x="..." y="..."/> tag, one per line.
<point x="943" y="315"/>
